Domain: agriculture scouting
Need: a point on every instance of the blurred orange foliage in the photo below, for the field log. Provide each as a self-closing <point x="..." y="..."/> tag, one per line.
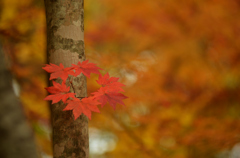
<point x="178" y="60"/>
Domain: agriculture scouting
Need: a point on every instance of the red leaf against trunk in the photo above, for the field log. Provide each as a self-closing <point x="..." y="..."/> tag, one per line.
<point x="110" y="84"/>
<point x="86" y="68"/>
<point x="112" y="97"/>
<point x="85" y="106"/>
<point x="60" y="92"/>
<point x="109" y="92"/>
<point x="58" y="71"/>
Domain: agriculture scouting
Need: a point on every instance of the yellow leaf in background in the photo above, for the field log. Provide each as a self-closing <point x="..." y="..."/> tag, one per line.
<point x="24" y="27"/>
<point x="43" y="138"/>
<point x="186" y="119"/>
<point x="35" y="105"/>
<point x="10" y="9"/>
<point x="23" y="53"/>
<point x="44" y="144"/>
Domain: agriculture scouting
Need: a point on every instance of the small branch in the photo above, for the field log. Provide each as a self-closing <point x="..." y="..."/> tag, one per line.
<point x="135" y="138"/>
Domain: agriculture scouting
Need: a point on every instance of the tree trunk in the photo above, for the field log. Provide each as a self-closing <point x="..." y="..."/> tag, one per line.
<point x="16" y="137"/>
<point x="65" y="44"/>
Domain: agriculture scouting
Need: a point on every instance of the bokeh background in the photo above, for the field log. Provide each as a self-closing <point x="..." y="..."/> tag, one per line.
<point x="178" y="60"/>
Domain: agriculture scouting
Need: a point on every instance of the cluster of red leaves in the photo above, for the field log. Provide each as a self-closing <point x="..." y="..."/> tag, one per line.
<point x="109" y="92"/>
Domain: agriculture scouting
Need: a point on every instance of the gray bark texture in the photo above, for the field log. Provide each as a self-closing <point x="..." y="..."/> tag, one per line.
<point x="65" y="44"/>
<point x="16" y="137"/>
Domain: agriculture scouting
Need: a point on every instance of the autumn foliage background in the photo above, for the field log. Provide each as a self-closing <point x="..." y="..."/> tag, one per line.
<point x="178" y="60"/>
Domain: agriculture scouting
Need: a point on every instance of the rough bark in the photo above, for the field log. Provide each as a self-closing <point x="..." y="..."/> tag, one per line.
<point x="16" y="137"/>
<point x="65" y="44"/>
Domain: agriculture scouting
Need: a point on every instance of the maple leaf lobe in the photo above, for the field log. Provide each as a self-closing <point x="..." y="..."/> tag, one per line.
<point x="86" y="68"/>
<point x="85" y="106"/>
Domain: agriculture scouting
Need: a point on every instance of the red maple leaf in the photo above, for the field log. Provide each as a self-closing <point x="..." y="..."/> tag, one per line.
<point x="110" y="84"/>
<point x="59" y="92"/>
<point x="85" y="106"/>
<point x="86" y="68"/>
<point x="112" y="97"/>
<point x="58" y="71"/>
